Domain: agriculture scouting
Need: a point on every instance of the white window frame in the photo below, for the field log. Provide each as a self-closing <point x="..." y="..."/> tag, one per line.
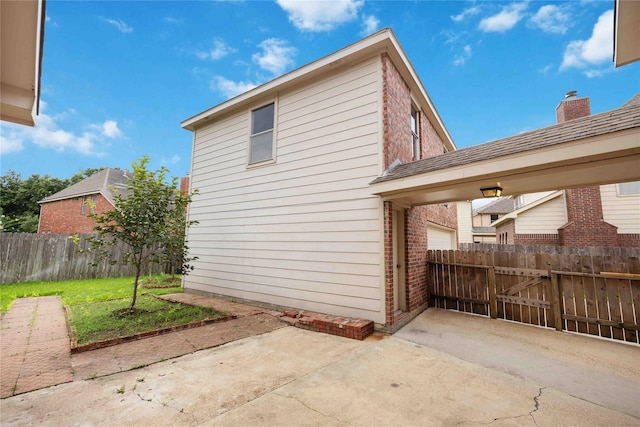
<point x="415" y="134"/>
<point x="274" y="131"/>
<point x="621" y="194"/>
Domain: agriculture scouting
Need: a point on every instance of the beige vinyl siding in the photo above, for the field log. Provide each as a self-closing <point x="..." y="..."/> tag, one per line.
<point x="464" y="222"/>
<point x="302" y="232"/>
<point x="544" y="218"/>
<point x="623" y="211"/>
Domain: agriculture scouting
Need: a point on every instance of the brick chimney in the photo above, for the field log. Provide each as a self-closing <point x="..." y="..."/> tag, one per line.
<point x="185" y="182"/>
<point x="586" y="225"/>
<point x="572" y="107"/>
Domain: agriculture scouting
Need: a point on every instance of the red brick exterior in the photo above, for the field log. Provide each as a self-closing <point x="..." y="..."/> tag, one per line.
<point x="629" y="240"/>
<point x="571" y="109"/>
<point x="67" y="217"/>
<point x="397" y="115"/>
<point x="388" y="261"/>
<point x="505" y="233"/>
<point x="536" y="239"/>
<point x="185" y="182"/>
<point x="585" y="225"/>
<point x="397" y="145"/>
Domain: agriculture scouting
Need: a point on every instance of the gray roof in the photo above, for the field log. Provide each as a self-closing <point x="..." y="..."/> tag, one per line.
<point x="483" y="230"/>
<point x="501" y="205"/>
<point x="625" y="117"/>
<point x="104" y="182"/>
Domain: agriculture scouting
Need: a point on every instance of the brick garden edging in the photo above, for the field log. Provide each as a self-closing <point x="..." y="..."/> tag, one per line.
<point x="75" y="348"/>
<point x="347" y="327"/>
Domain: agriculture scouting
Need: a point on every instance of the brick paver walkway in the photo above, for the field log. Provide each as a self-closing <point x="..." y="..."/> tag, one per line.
<point x="34" y="346"/>
<point x="136" y="354"/>
<point x="36" y="351"/>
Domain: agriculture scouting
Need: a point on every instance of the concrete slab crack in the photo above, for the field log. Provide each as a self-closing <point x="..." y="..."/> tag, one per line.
<point x="313" y="409"/>
<point x="536" y="403"/>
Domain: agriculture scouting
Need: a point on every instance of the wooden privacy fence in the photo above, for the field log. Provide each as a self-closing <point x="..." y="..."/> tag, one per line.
<point x="589" y="294"/>
<point x="26" y="257"/>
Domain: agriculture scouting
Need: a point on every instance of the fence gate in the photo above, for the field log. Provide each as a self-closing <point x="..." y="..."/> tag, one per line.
<point x="591" y="294"/>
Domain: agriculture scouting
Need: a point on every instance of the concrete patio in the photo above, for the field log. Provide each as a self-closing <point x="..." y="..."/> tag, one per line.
<point x="292" y="376"/>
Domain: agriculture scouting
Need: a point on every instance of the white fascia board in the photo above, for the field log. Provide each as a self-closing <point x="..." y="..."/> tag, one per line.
<point x="382" y="41"/>
<point x="371" y="44"/>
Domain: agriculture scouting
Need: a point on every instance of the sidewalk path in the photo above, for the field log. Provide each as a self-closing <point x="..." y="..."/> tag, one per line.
<point x="34" y="346"/>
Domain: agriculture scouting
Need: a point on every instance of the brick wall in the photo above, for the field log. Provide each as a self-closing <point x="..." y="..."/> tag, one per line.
<point x="571" y="109"/>
<point x="505" y="233"/>
<point x="585" y="225"/>
<point x="388" y="261"/>
<point x="629" y="240"/>
<point x="396" y="107"/>
<point x="535" y="239"/>
<point x="397" y="145"/>
<point x="67" y="217"/>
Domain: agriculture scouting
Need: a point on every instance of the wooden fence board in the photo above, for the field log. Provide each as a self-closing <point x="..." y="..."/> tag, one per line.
<point x="562" y="291"/>
<point x="51" y="257"/>
<point x="589" y="294"/>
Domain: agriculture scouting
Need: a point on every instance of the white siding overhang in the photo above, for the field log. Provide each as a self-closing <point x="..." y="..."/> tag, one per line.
<point x="21" y="41"/>
<point x="609" y="157"/>
<point x="627" y="32"/>
<point x="384" y="41"/>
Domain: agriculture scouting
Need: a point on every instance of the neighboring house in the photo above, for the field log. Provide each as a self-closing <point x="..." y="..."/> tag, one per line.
<point x="465" y="212"/>
<point x="65" y="212"/>
<point x="605" y="215"/>
<point x="482" y="218"/>
<point x="285" y="209"/>
<point x="21" y="47"/>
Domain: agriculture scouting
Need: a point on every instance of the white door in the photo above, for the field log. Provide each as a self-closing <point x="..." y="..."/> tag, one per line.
<point x="440" y="237"/>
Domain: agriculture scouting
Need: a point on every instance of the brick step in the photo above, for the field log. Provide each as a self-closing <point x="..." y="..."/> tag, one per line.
<point x="347" y="327"/>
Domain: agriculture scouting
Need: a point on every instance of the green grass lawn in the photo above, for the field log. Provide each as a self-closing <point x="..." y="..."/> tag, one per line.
<point x="109" y="319"/>
<point x="98" y="306"/>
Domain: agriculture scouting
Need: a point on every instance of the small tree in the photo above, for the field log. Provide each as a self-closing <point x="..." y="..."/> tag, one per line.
<point x="149" y="218"/>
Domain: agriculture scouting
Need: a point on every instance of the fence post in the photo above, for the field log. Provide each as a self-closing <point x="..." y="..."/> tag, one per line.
<point x="555" y="301"/>
<point x="493" y="301"/>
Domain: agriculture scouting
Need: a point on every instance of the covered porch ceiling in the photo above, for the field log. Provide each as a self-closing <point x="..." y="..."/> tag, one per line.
<point x="21" y="39"/>
<point x="593" y="150"/>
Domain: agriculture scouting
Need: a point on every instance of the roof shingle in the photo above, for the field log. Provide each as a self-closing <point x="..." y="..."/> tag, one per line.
<point x="106" y="182"/>
<point x="623" y="118"/>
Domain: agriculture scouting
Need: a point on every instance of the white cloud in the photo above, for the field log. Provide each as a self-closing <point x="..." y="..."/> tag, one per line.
<point x="369" y="25"/>
<point x="320" y="15"/>
<point x="10" y="140"/>
<point x="470" y="11"/>
<point x="593" y="51"/>
<point x="545" y="69"/>
<point x="219" y="50"/>
<point x="49" y="134"/>
<point x="228" y="87"/>
<point x="172" y="20"/>
<point x="551" y="19"/>
<point x="461" y="58"/>
<point x="508" y="17"/>
<point x="276" y="55"/>
<point x="119" y="24"/>
<point x="110" y="129"/>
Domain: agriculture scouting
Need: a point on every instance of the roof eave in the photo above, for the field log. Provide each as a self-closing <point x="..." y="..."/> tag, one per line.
<point x="375" y="44"/>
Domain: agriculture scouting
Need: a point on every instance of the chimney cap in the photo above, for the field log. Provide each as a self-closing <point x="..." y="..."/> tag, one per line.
<point x="571" y="94"/>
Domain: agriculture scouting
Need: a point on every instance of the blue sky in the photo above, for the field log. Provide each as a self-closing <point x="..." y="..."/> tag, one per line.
<point x="119" y="77"/>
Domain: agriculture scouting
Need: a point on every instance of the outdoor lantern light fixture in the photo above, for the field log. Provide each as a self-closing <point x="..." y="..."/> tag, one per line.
<point x="491" y="191"/>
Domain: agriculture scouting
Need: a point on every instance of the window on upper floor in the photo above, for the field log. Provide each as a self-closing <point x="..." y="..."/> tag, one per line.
<point x="519" y="201"/>
<point x="494" y="217"/>
<point x="629" y="188"/>
<point x="415" y="138"/>
<point x="261" y="145"/>
<point x="89" y="204"/>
